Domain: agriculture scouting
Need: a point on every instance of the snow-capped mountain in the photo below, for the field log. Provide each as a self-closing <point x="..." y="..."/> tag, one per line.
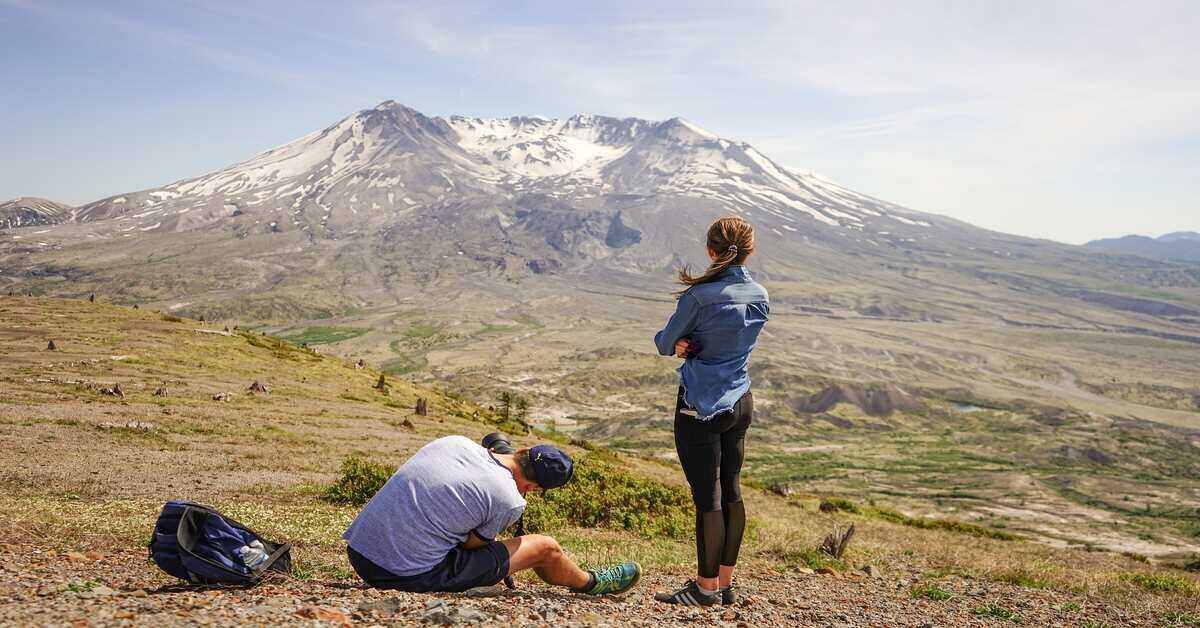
<point x="391" y="160"/>
<point x="29" y="211"/>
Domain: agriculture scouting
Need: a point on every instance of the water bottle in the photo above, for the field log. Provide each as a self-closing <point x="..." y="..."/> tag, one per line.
<point x="252" y="555"/>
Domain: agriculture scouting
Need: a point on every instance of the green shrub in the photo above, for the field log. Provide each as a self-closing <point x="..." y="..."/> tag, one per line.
<point x="813" y="558"/>
<point x="839" y="504"/>
<point x="603" y="494"/>
<point x="997" y="612"/>
<point x="949" y="525"/>
<point x="1161" y="582"/>
<point x="360" y="480"/>
<point x="931" y="591"/>
<point x="1024" y="578"/>
<point x="1180" y="618"/>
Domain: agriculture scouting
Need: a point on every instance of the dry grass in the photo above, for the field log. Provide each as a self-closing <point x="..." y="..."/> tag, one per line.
<point x="264" y="459"/>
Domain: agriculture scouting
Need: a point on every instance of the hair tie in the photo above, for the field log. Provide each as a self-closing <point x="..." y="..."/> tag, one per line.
<point x="733" y="249"/>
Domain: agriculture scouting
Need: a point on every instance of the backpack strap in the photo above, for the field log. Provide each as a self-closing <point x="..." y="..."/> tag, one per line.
<point x="262" y="567"/>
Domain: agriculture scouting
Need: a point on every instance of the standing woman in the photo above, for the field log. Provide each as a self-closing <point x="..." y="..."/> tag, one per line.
<point x="714" y="328"/>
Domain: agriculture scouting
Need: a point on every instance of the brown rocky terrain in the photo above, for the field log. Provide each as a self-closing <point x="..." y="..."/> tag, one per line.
<point x="85" y="472"/>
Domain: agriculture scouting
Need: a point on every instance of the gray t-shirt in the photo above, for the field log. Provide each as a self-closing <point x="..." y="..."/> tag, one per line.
<point x="451" y="487"/>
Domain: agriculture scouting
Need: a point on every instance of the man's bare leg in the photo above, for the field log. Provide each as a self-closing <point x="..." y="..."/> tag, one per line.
<point x="546" y="557"/>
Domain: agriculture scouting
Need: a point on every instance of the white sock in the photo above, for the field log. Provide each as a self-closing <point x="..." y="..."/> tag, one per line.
<point x="706" y="591"/>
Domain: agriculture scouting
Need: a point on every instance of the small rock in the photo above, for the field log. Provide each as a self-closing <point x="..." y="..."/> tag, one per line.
<point x="221" y="396"/>
<point x="805" y="570"/>
<point x="827" y="571"/>
<point x="113" y="391"/>
<point x="259" y="387"/>
<point x="50" y="346"/>
<point x="101" y="591"/>
<point x="386" y="606"/>
<point x="492" y="591"/>
<point x="139" y="593"/>
<point x="729" y="615"/>
<point x="474" y="615"/>
<point x="323" y="613"/>
<point x="77" y="557"/>
<point x="408" y="425"/>
<point x="360" y="364"/>
<point x="161" y="391"/>
<point x="93" y="555"/>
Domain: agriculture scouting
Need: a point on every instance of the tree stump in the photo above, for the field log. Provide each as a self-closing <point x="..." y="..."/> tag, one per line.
<point x="837" y="541"/>
<point x="259" y="387"/>
<point x="50" y="346"/>
<point x="422" y="406"/>
<point x="382" y="383"/>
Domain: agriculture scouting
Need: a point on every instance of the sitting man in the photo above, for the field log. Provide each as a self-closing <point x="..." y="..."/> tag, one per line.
<point x="433" y="526"/>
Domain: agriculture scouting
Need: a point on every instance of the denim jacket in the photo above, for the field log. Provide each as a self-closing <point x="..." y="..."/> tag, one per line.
<point x="724" y="316"/>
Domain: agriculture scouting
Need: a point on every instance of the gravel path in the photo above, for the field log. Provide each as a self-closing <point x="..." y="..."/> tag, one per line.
<point x="41" y="587"/>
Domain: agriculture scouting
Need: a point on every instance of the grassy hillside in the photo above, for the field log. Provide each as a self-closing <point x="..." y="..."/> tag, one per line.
<point x="83" y="469"/>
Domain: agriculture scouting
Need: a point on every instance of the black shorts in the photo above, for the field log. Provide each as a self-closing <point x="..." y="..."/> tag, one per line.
<point x="461" y="570"/>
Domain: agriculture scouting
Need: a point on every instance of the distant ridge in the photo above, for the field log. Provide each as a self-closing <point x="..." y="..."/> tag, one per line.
<point x="1179" y="245"/>
<point x="29" y="211"/>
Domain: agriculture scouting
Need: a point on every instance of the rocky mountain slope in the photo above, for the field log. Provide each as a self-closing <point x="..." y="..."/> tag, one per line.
<point x="29" y="211"/>
<point x="535" y="256"/>
<point x="1180" y="245"/>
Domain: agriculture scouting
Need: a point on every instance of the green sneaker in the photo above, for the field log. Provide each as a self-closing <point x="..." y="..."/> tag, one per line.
<point x="615" y="580"/>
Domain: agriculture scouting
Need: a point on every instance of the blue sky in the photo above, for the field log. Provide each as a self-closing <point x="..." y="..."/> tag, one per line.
<point x="1066" y="120"/>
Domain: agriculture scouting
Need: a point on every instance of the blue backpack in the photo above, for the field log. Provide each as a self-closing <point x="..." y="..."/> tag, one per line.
<point x="198" y="544"/>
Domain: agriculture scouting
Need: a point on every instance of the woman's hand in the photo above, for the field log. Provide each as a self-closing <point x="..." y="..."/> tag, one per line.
<point x="681" y="348"/>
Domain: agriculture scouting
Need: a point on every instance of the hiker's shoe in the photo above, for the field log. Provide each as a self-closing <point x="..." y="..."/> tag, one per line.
<point x="728" y="595"/>
<point x="616" y="579"/>
<point x="689" y="595"/>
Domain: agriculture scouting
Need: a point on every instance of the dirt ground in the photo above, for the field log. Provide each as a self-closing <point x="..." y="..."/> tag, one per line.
<point x="83" y="473"/>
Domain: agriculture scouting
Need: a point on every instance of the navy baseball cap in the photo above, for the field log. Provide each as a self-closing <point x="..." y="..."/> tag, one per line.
<point x="552" y="467"/>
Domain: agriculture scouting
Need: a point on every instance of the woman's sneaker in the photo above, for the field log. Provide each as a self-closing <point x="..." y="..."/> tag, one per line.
<point x="689" y="595"/>
<point x="615" y="580"/>
<point x="728" y="595"/>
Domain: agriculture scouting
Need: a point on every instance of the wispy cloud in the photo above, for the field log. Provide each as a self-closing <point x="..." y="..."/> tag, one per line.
<point x="990" y="111"/>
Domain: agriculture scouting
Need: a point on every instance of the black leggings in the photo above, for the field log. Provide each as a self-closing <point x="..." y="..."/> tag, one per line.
<point x="711" y="453"/>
